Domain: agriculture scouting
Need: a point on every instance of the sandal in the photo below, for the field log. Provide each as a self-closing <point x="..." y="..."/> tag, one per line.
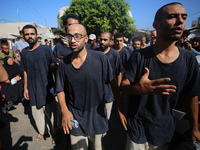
<point x="53" y="142"/>
<point x="38" y="137"/>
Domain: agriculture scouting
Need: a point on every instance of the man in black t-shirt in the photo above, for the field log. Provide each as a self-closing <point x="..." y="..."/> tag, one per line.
<point x="115" y="61"/>
<point x="155" y="77"/>
<point x="82" y="77"/>
<point x="62" y="48"/>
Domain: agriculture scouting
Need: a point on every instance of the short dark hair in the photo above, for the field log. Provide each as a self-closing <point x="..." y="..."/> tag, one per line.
<point x="159" y="13"/>
<point x="108" y="33"/>
<point x="4" y="42"/>
<point x="118" y="35"/>
<point x="136" y="39"/>
<point x="29" y="26"/>
<point x="20" y="32"/>
<point x="70" y="16"/>
<point x="45" y="40"/>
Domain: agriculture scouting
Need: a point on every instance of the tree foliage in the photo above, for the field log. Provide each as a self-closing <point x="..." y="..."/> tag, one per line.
<point x="103" y="15"/>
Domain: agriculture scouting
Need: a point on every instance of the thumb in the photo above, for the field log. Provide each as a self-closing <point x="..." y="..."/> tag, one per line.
<point x="146" y="73"/>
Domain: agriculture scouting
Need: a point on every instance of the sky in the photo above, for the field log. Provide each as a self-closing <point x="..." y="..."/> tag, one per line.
<point x="39" y="11"/>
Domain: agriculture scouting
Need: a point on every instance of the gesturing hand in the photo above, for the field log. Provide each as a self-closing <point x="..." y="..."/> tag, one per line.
<point x="155" y="86"/>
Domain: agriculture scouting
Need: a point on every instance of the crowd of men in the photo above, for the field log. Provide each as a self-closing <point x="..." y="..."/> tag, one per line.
<point x="88" y="77"/>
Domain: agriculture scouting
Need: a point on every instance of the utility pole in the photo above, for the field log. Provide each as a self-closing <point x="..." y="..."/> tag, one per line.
<point x="18" y="20"/>
<point x="3" y="20"/>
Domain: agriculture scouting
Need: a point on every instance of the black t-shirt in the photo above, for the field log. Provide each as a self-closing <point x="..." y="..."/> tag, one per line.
<point x="85" y="91"/>
<point x="61" y="49"/>
<point x="124" y="55"/>
<point x="151" y="117"/>
<point x="39" y="76"/>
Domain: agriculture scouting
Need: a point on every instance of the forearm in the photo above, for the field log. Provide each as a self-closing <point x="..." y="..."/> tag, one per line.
<point x="193" y="111"/>
<point x="62" y="102"/>
<point x="25" y="80"/>
<point x="130" y="89"/>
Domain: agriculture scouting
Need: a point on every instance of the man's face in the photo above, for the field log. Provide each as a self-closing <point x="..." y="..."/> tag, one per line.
<point x="173" y="22"/>
<point x="136" y="44"/>
<point x="70" y="21"/>
<point x="119" y="42"/>
<point x="5" y="49"/>
<point x="77" y="45"/>
<point x="143" y="40"/>
<point x="30" y="36"/>
<point x="112" y="41"/>
<point x="104" y="41"/>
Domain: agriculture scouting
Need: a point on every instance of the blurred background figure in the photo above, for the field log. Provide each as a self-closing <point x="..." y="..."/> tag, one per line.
<point x="11" y="89"/>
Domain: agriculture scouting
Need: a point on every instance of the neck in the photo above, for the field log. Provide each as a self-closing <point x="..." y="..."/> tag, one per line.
<point x="80" y="54"/>
<point x="33" y="46"/>
<point x="164" y="46"/>
<point x="106" y="50"/>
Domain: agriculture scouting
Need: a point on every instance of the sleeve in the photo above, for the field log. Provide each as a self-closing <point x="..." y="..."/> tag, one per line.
<point x="119" y="66"/>
<point x="132" y="68"/>
<point x="107" y="71"/>
<point x="60" y="77"/>
<point x="192" y="85"/>
<point x="51" y="56"/>
<point x="22" y="62"/>
<point x="55" y="52"/>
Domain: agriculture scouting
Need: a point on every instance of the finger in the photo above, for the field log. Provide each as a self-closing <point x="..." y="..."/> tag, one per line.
<point x="160" y="81"/>
<point x="69" y="125"/>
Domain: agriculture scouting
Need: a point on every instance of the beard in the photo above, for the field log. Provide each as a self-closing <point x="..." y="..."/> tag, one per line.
<point x="31" y="41"/>
<point x="104" y="47"/>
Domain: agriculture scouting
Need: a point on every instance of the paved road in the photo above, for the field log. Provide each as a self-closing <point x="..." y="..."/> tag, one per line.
<point x="20" y="131"/>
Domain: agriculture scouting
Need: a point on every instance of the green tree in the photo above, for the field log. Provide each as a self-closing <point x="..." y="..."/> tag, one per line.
<point x="103" y="15"/>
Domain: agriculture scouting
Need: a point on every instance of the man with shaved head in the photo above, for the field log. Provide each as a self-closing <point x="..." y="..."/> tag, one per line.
<point x="155" y="78"/>
<point x="82" y="77"/>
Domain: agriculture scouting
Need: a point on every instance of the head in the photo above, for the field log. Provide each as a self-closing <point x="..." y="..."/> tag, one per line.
<point x="118" y="40"/>
<point x="153" y="33"/>
<point x="30" y="34"/>
<point x="8" y="60"/>
<point x="105" y="39"/>
<point x="112" y="41"/>
<point x="153" y="40"/>
<point x="170" y="21"/>
<point x="196" y="42"/>
<point x="143" y="40"/>
<point x="46" y="41"/>
<point x="185" y="35"/>
<point x="92" y="39"/>
<point x="136" y="43"/>
<point x="21" y="34"/>
<point x="69" y="20"/>
<point x="77" y="36"/>
<point x="5" y="47"/>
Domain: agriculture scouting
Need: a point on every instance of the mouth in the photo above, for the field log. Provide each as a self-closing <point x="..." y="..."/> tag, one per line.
<point x="178" y="30"/>
<point x="73" y="46"/>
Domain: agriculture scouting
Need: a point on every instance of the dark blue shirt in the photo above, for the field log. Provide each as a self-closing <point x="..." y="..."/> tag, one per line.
<point x="124" y="55"/>
<point x="150" y="117"/>
<point x="39" y="77"/>
<point x="61" y="49"/>
<point x="85" y="91"/>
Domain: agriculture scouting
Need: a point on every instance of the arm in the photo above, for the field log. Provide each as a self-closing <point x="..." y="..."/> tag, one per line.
<point x="146" y="86"/>
<point x="119" y="79"/>
<point x="193" y="112"/>
<point x="66" y="114"/>
<point x="26" y="95"/>
<point x="116" y="93"/>
<point x="3" y="74"/>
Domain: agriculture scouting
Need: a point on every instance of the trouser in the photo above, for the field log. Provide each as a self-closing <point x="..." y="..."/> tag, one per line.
<point x="109" y="109"/>
<point x="82" y="143"/>
<point x="41" y="114"/>
<point x="146" y="146"/>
